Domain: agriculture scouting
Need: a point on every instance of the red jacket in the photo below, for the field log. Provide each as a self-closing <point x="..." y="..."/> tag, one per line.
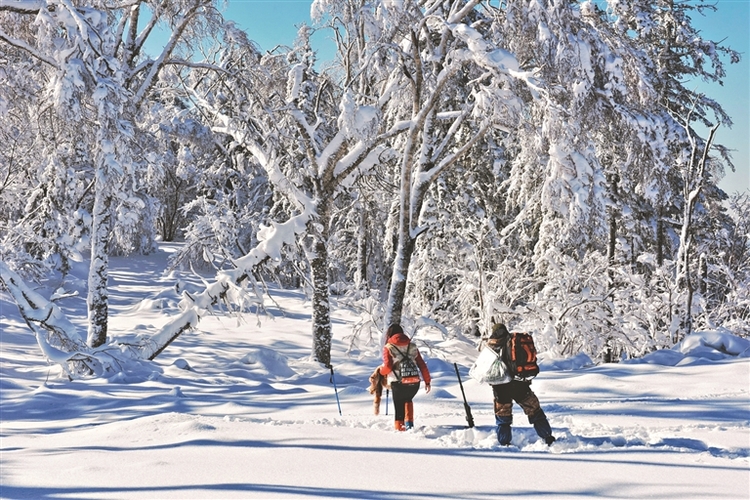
<point x="402" y="342"/>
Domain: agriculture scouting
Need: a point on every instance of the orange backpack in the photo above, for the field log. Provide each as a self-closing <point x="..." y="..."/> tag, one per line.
<point x="521" y="354"/>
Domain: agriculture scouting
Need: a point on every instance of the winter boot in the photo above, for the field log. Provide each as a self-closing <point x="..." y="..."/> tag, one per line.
<point x="541" y="426"/>
<point x="409" y="415"/>
<point x="504" y="432"/>
<point x="399" y="425"/>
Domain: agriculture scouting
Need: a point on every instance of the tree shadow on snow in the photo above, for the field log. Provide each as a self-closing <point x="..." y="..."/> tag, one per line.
<point x="510" y="454"/>
<point x="257" y="490"/>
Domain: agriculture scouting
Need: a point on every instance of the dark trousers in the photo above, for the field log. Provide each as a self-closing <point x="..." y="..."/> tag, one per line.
<point x="518" y="391"/>
<point x="402" y="394"/>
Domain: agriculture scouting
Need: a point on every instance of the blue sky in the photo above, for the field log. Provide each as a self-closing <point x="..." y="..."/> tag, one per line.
<point x="273" y="22"/>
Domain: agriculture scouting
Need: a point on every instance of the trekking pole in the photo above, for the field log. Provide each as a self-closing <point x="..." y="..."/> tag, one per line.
<point x="336" y="390"/>
<point x="386" y="400"/>
<point x="467" y="408"/>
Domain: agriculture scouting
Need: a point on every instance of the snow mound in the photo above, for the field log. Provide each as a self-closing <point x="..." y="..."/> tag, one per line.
<point x="723" y="342"/>
<point x="176" y="392"/>
<point x="663" y="357"/>
<point x="166" y="299"/>
<point x="181" y="364"/>
<point x="581" y="360"/>
<point x="700" y="348"/>
<point x="353" y="390"/>
<point x="150" y="305"/>
<point x="269" y="363"/>
<point x="436" y="393"/>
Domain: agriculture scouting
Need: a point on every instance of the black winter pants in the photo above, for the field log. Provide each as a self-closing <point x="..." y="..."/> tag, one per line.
<point x="402" y="394"/>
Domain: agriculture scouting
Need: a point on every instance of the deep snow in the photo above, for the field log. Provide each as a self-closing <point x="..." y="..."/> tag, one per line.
<point x="237" y="410"/>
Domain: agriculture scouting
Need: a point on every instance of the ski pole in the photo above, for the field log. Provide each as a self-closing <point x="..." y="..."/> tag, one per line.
<point x="386" y="400"/>
<point x="333" y="380"/>
<point x="467" y="408"/>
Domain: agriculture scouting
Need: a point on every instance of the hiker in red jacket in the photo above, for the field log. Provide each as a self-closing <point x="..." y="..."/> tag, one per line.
<point x="403" y="364"/>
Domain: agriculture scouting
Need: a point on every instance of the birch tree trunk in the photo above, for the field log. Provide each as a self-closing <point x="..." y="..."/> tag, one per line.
<point x="362" y="247"/>
<point x="321" y="307"/>
<point x="413" y="190"/>
<point x="694" y="181"/>
<point x="98" y="297"/>
<point x="397" y="291"/>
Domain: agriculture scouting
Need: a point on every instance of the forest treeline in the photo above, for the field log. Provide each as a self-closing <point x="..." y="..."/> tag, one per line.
<point x="458" y="162"/>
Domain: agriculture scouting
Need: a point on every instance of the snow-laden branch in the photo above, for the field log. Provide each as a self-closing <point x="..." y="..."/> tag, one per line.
<point x="178" y="61"/>
<point x="363" y="151"/>
<point x="459" y="15"/>
<point x="20" y="44"/>
<point x="37" y="310"/>
<point x="332" y="150"/>
<point x="228" y="283"/>
<point x="271" y="238"/>
<point x="269" y="161"/>
<point x="459" y="119"/>
<point x="61" y="344"/>
<point x="496" y="60"/>
<point x="456" y="155"/>
<point x="154" y="345"/>
<point x="390" y="89"/>
<point x="120" y="28"/>
<point x="409" y="197"/>
<point x="49" y="326"/>
<point x="160" y="61"/>
<point x="483" y="54"/>
<point x="423" y="179"/>
<point x="82" y="24"/>
<point x="308" y="133"/>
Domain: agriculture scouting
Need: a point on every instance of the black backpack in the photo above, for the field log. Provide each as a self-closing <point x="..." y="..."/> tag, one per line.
<point x="521" y="356"/>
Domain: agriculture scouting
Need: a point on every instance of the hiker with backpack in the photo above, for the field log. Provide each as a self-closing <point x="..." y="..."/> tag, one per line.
<point x="517" y="386"/>
<point x="403" y="365"/>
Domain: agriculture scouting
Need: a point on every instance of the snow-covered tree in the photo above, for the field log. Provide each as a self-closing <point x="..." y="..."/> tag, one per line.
<point x="676" y="54"/>
<point x="97" y="79"/>
<point x="44" y="171"/>
<point x="723" y="282"/>
<point x="454" y="84"/>
<point x="311" y="138"/>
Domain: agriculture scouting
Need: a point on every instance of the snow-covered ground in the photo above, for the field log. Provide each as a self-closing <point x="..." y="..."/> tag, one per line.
<point x="237" y="410"/>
